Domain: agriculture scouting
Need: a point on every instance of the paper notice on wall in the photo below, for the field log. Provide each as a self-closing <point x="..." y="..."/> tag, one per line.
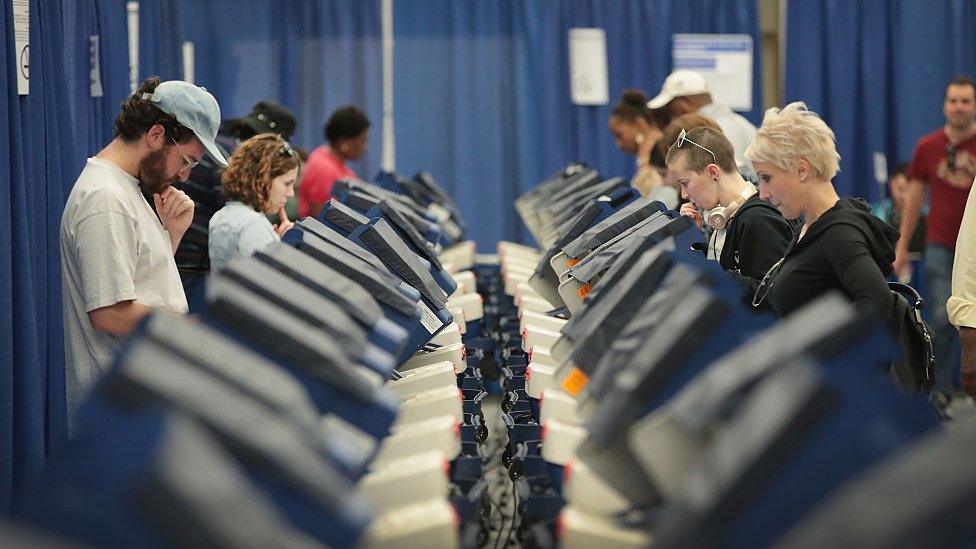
<point x="189" y="67"/>
<point x="95" y="67"/>
<point x="132" y="11"/>
<point x="588" y="67"/>
<point x="725" y="60"/>
<point x="880" y="168"/>
<point x="21" y="13"/>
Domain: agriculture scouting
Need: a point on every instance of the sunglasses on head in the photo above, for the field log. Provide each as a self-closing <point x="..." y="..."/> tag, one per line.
<point x="286" y="148"/>
<point x="683" y="138"/>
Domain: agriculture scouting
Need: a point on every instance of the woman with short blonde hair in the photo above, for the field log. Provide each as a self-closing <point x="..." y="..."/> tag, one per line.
<point x="840" y="244"/>
<point x="796" y="132"/>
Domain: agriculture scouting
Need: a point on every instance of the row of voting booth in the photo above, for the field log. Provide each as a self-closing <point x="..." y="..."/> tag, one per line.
<point x="663" y="411"/>
<point x="323" y="398"/>
<point x="372" y="381"/>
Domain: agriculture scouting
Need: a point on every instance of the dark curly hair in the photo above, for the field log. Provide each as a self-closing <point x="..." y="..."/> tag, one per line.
<point x="346" y="123"/>
<point x="137" y="115"/>
<point x="254" y="165"/>
<point x="632" y="105"/>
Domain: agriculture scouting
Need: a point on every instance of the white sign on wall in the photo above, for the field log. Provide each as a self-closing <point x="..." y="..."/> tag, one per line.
<point x="21" y="13"/>
<point x="132" y="11"/>
<point x="588" y="67"/>
<point x="94" y="67"/>
<point x="725" y="60"/>
<point x="189" y="59"/>
<point x="880" y="168"/>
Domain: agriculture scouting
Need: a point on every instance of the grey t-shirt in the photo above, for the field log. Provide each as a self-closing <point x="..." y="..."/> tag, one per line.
<point x="113" y="248"/>
<point x="238" y="229"/>
<point x="665" y="194"/>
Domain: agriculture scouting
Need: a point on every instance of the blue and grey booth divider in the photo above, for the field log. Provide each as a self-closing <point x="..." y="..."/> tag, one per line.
<point x="189" y="430"/>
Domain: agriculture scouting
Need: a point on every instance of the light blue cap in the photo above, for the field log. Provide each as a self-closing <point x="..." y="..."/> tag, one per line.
<point x="193" y="107"/>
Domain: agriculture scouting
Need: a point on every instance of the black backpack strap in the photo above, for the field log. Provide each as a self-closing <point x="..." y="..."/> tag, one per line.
<point x="910" y="294"/>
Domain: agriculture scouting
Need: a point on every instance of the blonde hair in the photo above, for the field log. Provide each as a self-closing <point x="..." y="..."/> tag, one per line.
<point x="795" y="132"/>
<point x="254" y="165"/>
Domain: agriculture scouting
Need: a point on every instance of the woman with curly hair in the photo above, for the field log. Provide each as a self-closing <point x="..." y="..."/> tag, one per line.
<point x="259" y="179"/>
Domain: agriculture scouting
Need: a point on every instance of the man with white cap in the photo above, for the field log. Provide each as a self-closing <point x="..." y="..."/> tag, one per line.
<point x="687" y="91"/>
<point x="117" y="250"/>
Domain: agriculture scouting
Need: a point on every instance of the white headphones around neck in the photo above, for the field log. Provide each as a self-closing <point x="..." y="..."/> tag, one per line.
<point x="719" y="216"/>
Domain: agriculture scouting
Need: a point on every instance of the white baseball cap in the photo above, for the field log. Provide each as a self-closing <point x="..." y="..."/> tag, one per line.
<point x="193" y="107"/>
<point x="679" y="83"/>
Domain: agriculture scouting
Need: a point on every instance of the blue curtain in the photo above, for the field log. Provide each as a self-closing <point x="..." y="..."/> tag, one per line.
<point x="37" y="153"/>
<point x="45" y="139"/>
<point x="11" y="170"/>
<point x="92" y="117"/>
<point x="876" y="70"/>
<point x="160" y="50"/>
<point x="482" y="96"/>
<point x="310" y="56"/>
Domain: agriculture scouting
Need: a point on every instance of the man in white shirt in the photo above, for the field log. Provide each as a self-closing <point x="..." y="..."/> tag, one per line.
<point x="687" y="91"/>
<point x="961" y="306"/>
<point x="116" y="249"/>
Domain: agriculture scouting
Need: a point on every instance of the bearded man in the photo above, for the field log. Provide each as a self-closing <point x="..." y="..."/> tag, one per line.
<point x="116" y="246"/>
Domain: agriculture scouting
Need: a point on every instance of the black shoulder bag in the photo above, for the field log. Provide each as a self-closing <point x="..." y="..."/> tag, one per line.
<point x="916" y="371"/>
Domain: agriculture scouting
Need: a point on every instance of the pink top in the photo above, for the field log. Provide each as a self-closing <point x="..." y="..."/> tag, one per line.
<point x="321" y="171"/>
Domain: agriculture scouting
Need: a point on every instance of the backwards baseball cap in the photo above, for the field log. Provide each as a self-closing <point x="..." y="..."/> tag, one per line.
<point x="266" y="117"/>
<point x="193" y="107"/>
<point x="679" y="83"/>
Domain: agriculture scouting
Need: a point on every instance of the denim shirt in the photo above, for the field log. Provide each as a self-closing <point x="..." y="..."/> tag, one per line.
<point x="238" y="229"/>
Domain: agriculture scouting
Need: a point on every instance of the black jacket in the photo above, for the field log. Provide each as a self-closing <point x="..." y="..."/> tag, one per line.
<point x="204" y="187"/>
<point x="756" y="237"/>
<point x="846" y="249"/>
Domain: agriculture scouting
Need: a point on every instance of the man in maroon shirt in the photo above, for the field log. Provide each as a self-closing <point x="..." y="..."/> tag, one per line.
<point x="945" y="163"/>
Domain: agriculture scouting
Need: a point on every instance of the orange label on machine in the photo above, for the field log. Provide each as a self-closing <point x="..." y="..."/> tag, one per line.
<point x="584" y="290"/>
<point x="575" y="382"/>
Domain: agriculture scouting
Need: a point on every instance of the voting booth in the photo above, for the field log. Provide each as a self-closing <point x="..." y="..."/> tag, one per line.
<point x="375" y="380"/>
